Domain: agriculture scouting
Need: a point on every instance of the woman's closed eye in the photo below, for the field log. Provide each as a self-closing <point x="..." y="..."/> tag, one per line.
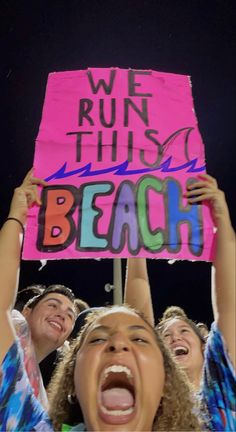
<point x="97" y="340"/>
<point x="139" y="339"/>
<point x="166" y="335"/>
<point x="184" y="330"/>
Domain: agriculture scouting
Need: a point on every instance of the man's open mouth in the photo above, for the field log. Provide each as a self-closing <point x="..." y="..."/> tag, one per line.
<point x="56" y="325"/>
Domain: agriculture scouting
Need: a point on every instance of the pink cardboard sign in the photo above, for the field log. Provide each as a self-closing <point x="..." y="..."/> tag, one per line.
<point x="118" y="147"/>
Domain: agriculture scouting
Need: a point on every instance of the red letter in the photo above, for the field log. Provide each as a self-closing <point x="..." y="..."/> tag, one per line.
<point x="56" y="226"/>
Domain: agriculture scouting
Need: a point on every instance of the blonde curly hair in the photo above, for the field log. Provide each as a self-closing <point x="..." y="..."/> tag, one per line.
<point x="175" y="412"/>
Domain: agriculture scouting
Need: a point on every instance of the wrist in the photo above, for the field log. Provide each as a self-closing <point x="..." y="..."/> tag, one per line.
<point x="17" y="221"/>
<point x="18" y="215"/>
<point x="222" y="218"/>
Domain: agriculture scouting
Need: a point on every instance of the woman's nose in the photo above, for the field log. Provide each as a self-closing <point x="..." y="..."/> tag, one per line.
<point x="175" y="336"/>
<point x="118" y="344"/>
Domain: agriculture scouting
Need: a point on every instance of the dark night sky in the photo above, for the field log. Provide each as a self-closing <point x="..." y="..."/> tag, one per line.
<point x="188" y="37"/>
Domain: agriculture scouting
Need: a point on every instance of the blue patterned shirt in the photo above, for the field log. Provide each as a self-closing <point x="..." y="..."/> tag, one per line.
<point x="19" y="408"/>
<point x="218" y="389"/>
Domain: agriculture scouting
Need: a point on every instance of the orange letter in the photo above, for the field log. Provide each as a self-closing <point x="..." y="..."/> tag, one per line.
<point x="56" y="226"/>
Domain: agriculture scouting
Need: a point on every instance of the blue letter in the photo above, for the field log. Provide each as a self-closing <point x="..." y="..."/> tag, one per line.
<point x="89" y="238"/>
<point x="177" y="215"/>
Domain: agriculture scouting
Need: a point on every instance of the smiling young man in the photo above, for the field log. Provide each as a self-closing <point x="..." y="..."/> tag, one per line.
<point x="45" y="323"/>
<point x="51" y="317"/>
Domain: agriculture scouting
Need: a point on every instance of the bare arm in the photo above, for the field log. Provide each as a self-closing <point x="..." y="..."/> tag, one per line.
<point x="137" y="288"/>
<point x="10" y="250"/>
<point x="223" y="274"/>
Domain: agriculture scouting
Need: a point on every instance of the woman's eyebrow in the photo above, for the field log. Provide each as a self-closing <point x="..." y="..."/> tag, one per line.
<point x="107" y="329"/>
<point x="180" y="326"/>
<point x="100" y="327"/>
<point x="138" y="327"/>
<point x="184" y="326"/>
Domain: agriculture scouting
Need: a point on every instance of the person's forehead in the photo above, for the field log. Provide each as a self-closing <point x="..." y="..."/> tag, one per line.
<point x="175" y="323"/>
<point x="59" y="298"/>
<point x="120" y="318"/>
<point x="126" y="322"/>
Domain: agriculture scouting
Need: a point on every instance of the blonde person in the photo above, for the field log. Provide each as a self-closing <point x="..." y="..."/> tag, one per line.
<point x="209" y="366"/>
<point x="119" y="376"/>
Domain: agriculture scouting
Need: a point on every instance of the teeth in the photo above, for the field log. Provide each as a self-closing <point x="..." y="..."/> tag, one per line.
<point x="180" y="350"/>
<point x="118" y="369"/>
<point x="55" y="324"/>
<point x="117" y="412"/>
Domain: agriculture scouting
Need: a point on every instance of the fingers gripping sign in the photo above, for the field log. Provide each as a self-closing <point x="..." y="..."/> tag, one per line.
<point x="206" y="189"/>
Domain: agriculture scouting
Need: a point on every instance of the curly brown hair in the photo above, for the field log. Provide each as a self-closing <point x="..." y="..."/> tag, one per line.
<point x="174" y="414"/>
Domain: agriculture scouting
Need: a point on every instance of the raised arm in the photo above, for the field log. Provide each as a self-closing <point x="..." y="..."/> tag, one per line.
<point x="137" y="288"/>
<point x="10" y="250"/>
<point x="223" y="274"/>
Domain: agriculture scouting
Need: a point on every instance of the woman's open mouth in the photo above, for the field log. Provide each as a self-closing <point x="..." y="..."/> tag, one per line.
<point x="117" y="395"/>
<point x="180" y="352"/>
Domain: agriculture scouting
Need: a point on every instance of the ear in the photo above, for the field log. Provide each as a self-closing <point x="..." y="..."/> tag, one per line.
<point x="26" y="312"/>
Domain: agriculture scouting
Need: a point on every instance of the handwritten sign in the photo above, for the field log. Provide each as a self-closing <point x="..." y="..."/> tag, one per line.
<point x="118" y="148"/>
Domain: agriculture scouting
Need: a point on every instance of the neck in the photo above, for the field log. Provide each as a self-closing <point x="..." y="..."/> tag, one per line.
<point x="42" y="350"/>
<point x="194" y="378"/>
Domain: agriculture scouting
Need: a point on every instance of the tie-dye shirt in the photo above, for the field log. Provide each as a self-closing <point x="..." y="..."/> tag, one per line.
<point x="19" y="408"/>
<point x="218" y="389"/>
<point x="31" y="365"/>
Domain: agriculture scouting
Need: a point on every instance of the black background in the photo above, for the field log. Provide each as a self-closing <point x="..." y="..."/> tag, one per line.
<point x="188" y="37"/>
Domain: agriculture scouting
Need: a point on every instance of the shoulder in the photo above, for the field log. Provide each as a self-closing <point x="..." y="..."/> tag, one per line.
<point x="216" y="349"/>
<point x="20" y="410"/>
<point x="218" y="382"/>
